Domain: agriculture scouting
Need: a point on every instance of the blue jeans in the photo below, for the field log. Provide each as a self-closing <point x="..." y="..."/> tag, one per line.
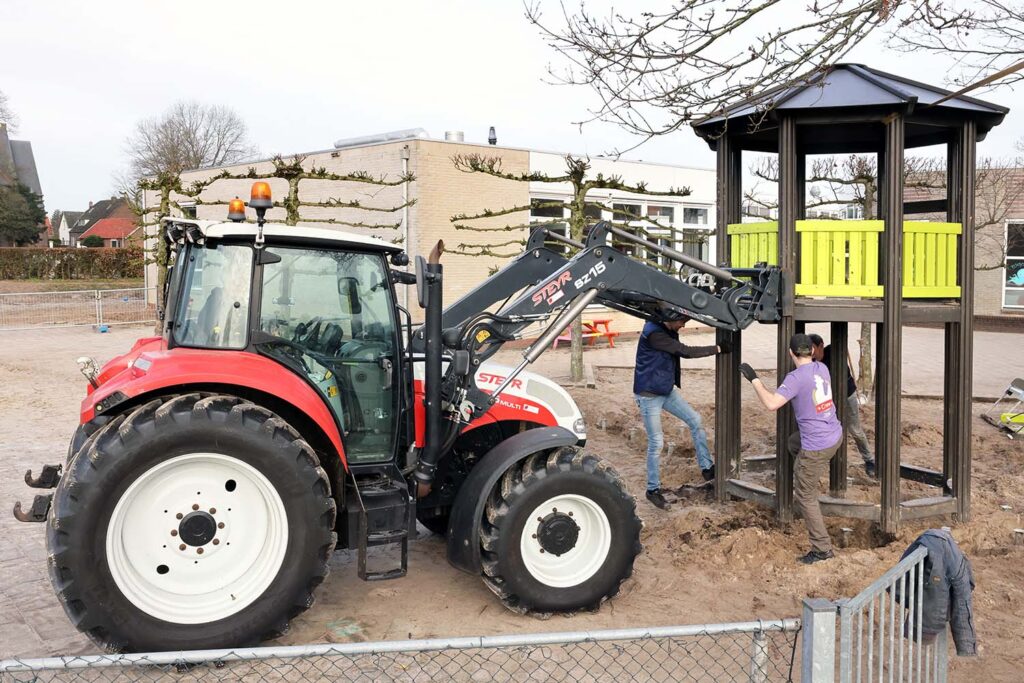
<point x="674" y="404"/>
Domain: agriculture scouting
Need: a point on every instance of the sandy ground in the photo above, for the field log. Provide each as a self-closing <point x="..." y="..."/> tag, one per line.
<point x="702" y="562"/>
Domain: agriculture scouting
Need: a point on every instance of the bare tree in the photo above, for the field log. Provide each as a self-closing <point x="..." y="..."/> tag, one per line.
<point x="577" y="175"/>
<point x="189" y="135"/>
<point x="7" y="114"/>
<point x="985" y="40"/>
<point x="657" y="71"/>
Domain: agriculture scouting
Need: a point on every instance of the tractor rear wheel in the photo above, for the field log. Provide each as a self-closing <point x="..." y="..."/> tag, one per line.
<point x="194" y="521"/>
<point x="560" y="533"/>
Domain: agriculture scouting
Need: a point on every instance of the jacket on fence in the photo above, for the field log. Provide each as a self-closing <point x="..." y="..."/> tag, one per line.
<point x="948" y="583"/>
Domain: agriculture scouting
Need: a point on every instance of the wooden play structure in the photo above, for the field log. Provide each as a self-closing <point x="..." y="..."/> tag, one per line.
<point x="887" y="271"/>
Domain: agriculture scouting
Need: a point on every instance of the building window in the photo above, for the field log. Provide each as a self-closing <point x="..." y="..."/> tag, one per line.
<point x="695" y="216"/>
<point x="188" y="211"/>
<point x="626" y="212"/>
<point x="1013" y="285"/>
<point x="665" y="215"/>
<point x="551" y="213"/>
<point x="114" y="243"/>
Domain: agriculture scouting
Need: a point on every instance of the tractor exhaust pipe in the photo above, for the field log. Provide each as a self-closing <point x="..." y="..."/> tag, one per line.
<point x="430" y="283"/>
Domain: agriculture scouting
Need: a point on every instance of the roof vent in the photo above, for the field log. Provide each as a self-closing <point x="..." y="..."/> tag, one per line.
<point x="454" y="136"/>
<point x="407" y="134"/>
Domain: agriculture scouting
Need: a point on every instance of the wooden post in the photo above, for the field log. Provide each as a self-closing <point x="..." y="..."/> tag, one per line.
<point x="888" y="391"/>
<point x="838" y="368"/>
<point x="951" y="366"/>
<point x="961" y="333"/>
<point x="727" y="366"/>
<point x="789" y="208"/>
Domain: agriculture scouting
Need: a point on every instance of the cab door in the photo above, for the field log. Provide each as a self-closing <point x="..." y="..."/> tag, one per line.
<point x="330" y="316"/>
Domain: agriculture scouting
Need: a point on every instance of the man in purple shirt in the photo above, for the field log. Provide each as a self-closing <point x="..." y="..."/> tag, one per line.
<point x="808" y="389"/>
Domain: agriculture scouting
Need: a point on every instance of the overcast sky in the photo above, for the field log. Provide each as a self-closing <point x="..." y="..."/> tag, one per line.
<point x="303" y="74"/>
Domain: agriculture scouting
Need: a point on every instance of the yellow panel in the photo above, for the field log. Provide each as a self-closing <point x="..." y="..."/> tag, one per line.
<point x="908" y="258"/>
<point x="951" y="247"/>
<point x="845" y="290"/>
<point x="857" y="258"/>
<point x="931" y="259"/>
<point x="807" y="258"/>
<point x="821" y="258"/>
<point x="941" y="273"/>
<point x="752" y="228"/>
<point x="829" y="226"/>
<point x="920" y="257"/>
<point x="870" y="260"/>
<point x="773" y="248"/>
<point x="838" y="258"/>
<point x="935" y="228"/>
<point x="931" y="292"/>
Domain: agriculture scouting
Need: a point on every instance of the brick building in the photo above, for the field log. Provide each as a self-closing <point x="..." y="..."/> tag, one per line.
<point x="441" y="191"/>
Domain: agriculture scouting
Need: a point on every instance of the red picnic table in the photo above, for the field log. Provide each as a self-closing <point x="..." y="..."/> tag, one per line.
<point x="592" y="329"/>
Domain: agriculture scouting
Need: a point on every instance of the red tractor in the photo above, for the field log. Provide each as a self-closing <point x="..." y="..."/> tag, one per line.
<point x="289" y="409"/>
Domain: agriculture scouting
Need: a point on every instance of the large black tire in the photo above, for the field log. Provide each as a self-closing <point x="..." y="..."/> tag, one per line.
<point x="128" y="447"/>
<point x="530" y="483"/>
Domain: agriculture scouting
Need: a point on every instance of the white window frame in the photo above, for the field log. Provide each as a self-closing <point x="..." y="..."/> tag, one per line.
<point x="1006" y="251"/>
<point x="114" y="244"/>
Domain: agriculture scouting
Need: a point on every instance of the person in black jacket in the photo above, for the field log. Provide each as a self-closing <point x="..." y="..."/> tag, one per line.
<point x="655" y="380"/>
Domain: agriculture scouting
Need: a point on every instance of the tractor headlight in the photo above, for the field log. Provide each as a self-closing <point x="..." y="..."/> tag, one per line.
<point x="580" y="427"/>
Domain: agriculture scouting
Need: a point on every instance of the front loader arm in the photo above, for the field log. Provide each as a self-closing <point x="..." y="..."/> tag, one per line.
<point x="601" y="273"/>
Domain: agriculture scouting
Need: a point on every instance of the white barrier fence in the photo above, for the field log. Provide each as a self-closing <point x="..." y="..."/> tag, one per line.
<point x="35" y="310"/>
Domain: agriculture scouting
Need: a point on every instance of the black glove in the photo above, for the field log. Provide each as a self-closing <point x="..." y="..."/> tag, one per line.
<point x="724" y="347"/>
<point x="748" y="372"/>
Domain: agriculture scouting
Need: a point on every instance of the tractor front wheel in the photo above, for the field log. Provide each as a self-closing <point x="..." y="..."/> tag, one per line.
<point x="560" y="533"/>
<point x="192" y="522"/>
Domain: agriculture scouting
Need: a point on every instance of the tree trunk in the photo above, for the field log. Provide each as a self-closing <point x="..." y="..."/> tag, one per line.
<point x="865" y="377"/>
<point x="576" y="363"/>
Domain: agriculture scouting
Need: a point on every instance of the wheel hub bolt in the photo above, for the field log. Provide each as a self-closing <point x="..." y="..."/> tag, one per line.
<point x="195" y="506"/>
<point x="182" y="546"/>
<point x="220" y="525"/>
<point x="216" y="541"/>
<point x="199" y="551"/>
<point x="178" y="516"/>
<point x="213" y="511"/>
<point x="174" y="532"/>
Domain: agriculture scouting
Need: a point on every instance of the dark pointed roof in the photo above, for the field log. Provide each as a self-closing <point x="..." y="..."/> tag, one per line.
<point x="855" y="98"/>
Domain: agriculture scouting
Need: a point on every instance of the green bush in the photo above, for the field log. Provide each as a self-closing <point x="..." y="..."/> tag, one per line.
<point x="29" y="263"/>
<point x="92" y="241"/>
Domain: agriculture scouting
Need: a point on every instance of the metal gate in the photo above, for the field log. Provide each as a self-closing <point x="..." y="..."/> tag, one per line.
<point x="35" y="310"/>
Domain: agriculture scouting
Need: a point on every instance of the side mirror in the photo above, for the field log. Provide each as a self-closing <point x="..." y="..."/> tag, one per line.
<point x="348" y="287"/>
<point x="421" y="281"/>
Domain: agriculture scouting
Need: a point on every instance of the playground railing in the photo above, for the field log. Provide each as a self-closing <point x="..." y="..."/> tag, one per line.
<point x="840" y="258"/>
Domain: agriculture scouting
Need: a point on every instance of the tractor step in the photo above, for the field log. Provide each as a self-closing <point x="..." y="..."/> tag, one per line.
<point x="39" y="510"/>
<point x="381" y="514"/>
<point x="47" y="479"/>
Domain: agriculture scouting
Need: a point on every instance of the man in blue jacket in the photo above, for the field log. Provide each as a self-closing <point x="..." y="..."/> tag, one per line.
<point x="655" y="380"/>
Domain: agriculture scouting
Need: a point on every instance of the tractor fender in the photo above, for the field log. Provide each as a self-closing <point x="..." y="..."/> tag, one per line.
<point x="464" y="522"/>
<point x="181" y="369"/>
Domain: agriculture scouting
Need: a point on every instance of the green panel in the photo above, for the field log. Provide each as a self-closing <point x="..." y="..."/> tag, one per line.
<point x="752" y="228"/>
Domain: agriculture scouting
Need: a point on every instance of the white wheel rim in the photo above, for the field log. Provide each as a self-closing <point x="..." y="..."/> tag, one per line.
<point x="207" y="582"/>
<point x="584" y="559"/>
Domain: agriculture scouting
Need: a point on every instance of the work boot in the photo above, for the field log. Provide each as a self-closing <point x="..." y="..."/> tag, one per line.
<point x="708" y="474"/>
<point x="869" y="469"/>
<point x="658" y="500"/>
<point x="816" y="556"/>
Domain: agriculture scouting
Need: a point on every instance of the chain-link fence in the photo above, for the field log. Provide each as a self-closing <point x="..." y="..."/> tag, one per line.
<point x="34" y="310"/>
<point x="757" y="652"/>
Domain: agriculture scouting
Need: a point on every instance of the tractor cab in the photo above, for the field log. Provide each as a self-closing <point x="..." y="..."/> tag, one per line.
<point x="319" y="302"/>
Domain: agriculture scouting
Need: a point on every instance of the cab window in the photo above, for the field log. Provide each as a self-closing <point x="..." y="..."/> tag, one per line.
<point x="214" y="307"/>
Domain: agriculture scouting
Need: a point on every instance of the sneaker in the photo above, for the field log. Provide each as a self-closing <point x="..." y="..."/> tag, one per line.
<point x="869" y="468"/>
<point x="816" y="556"/>
<point x="657" y="500"/>
<point x="708" y="474"/>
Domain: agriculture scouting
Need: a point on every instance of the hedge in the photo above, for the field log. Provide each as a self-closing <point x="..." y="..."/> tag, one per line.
<point x="24" y="263"/>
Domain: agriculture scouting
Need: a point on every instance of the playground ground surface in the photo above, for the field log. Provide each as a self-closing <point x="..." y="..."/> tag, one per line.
<point x="702" y="562"/>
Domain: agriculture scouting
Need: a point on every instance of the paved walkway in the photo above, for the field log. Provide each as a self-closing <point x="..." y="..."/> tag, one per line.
<point x="998" y="357"/>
